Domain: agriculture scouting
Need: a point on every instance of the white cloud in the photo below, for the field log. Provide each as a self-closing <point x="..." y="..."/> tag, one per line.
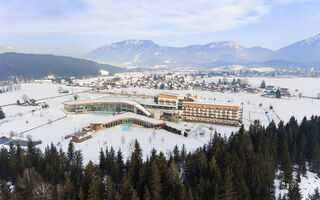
<point x="293" y="1"/>
<point x="134" y="18"/>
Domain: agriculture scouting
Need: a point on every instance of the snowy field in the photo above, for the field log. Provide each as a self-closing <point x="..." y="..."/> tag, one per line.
<point x="55" y="124"/>
<point x="307" y="185"/>
<point x="254" y="105"/>
<point x="51" y="125"/>
<point x="307" y="86"/>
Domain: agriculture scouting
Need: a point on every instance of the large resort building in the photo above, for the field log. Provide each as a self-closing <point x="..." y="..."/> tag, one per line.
<point x="126" y="120"/>
<point x="165" y="106"/>
<point x="110" y="106"/>
<point x="215" y="114"/>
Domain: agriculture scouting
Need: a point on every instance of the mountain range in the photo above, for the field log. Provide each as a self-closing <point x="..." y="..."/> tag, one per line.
<point x="146" y="53"/>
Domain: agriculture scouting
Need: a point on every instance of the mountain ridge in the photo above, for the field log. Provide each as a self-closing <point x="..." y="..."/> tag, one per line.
<point x="37" y="66"/>
<point x="146" y="53"/>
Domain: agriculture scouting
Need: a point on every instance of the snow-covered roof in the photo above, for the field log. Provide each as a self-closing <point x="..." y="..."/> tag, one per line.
<point x="170" y="94"/>
<point x="109" y="100"/>
<point x="128" y="115"/>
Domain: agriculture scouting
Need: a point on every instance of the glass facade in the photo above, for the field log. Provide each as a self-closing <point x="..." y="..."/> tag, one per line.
<point x="130" y="122"/>
<point x="103" y="107"/>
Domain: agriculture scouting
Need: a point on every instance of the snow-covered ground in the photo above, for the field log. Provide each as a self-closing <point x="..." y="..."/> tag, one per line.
<point x="36" y="91"/>
<point x="254" y="105"/>
<point x="306" y="85"/>
<point x="19" y="119"/>
<point x="52" y="125"/>
<point x="308" y="184"/>
<point x="22" y="118"/>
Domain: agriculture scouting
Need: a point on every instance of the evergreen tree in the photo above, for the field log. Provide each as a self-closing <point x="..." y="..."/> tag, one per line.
<point x="110" y="190"/>
<point x="2" y="115"/>
<point x="228" y="192"/>
<point x="68" y="189"/>
<point x="174" y="185"/>
<point x="315" y="195"/>
<point x="278" y="94"/>
<point x="71" y="154"/>
<point x="294" y="191"/>
<point x="5" y="192"/>
<point x="93" y="193"/>
<point x="120" y="167"/>
<point x="155" y="185"/>
<point x="263" y="85"/>
<point x="189" y="195"/>
<point x="146" y="194"/>
<point x="102" y="162"/>
<point x="135" y="163"/>
<point x="128" y="192"/>
<point x="81" y="194"/>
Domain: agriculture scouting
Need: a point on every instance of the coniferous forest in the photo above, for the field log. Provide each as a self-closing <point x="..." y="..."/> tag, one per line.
<point x="240" y="167"/>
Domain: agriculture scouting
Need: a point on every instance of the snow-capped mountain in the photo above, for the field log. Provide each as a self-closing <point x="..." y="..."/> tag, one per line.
<point x="303" y="51"/>
<point x="146" y="53"/>
<point x="6" y="48"/>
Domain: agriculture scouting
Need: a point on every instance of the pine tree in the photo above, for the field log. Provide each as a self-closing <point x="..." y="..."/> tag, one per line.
<point x="128" y="192"/>
<point x="135" y="163"/>
<point x="315" y="195"/>
<point x="155" y="185"/>
<point x="263" y="85"/>
<point x="146" y="194"/>
<point x="176" y="190"/>
<point x="110" y="190"/>
<point x="189" y="195"/>
<point x="294" y="191"/>
<point x="68" y="190"/>
<point x="2" y="115"/>
<point x="278" y="94"/>
<point x="71" y="154"/>
<point x="102" y="162"/>
<point x="81" y="194"/>
<point x="120" y="167"/>
<point x="57" y="192"/>
<point x="93" y="193"/>
<point x="176" y="154"/>
<point x="5" y="192"/>
<point x="228" y="188"/>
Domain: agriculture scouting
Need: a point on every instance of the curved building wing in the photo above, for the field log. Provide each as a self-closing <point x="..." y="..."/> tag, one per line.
<point x="107" y="105"/>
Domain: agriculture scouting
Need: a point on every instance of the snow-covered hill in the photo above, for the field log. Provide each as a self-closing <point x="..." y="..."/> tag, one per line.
<point x="303" y="51"/>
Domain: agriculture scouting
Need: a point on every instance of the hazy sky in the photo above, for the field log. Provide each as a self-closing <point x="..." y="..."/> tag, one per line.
<point x="75" y="27"/>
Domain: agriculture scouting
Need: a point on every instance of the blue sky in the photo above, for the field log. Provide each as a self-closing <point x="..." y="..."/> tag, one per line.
<point x="75" y="27"/>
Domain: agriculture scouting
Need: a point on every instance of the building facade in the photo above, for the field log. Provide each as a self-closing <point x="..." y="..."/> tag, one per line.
<point x="208" y="113"/>
<point x="167" y="107"/>
<point x="107" y="106"/>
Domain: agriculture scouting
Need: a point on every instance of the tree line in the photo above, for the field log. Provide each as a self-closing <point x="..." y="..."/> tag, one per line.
<point x="242" y="166"/>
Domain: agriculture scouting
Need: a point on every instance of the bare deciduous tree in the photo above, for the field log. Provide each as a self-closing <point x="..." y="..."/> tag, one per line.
<point x="24" y="98"/>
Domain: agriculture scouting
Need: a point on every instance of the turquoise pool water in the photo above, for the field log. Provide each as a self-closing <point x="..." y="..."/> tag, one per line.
<point x="101" y="114"/>
<point x="126" y="128"/>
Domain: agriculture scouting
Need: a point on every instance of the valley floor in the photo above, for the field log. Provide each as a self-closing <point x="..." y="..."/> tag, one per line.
<point x="51" y="125"/>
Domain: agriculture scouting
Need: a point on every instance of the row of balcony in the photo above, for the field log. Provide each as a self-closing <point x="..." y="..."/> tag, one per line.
<point x="207" y="109"/>
<point x="212" y="112"/>
<point x="213" y="116"/>
<point x="214" y="121"/>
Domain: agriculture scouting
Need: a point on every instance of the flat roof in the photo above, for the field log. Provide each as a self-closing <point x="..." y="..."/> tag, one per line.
<point x="154" y="104"/>
<point x="110" y="100"/>
<point x="170" y="95"/>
